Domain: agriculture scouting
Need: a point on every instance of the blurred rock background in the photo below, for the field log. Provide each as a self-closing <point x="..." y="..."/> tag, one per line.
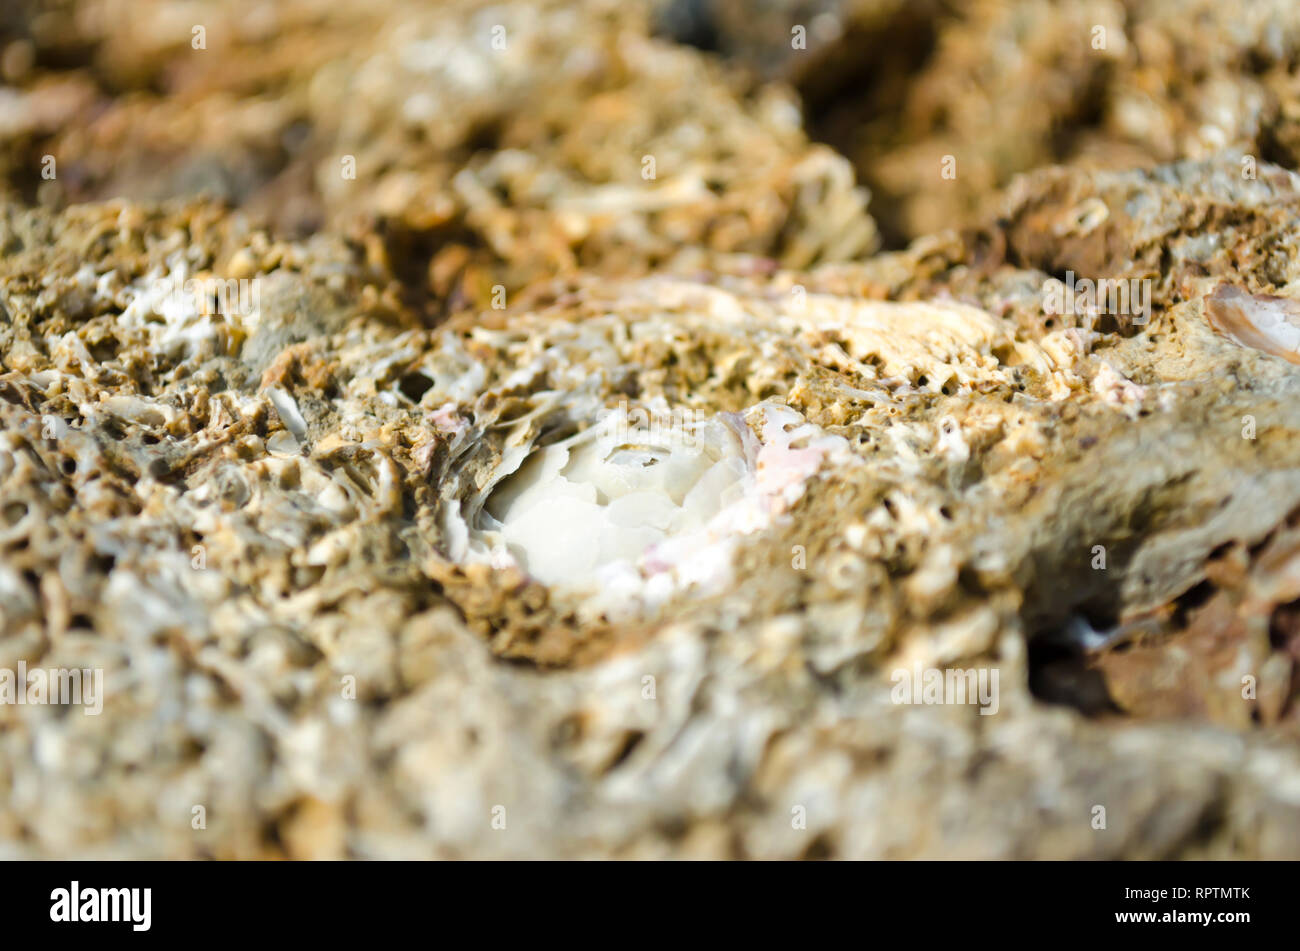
<point x="112" y="89"/>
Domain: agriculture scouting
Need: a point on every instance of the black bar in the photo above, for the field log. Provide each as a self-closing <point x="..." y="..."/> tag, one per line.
<point x="916" y="901"/>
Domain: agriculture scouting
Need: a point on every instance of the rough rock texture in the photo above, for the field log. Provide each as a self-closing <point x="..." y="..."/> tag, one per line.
<point x="1005" y="87"/>
<point x="443" y="137"/>
<point x="275" y="513"/>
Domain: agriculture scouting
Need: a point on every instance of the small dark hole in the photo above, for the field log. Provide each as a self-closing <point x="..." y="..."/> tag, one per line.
<point x="630" y="742"/>
<point x="414" y="386"/>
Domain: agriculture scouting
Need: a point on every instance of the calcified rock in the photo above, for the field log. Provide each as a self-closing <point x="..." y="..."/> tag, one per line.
<point x="445" y="140"/>
<point x="658" y="513"/>
<point x="912" y="90"/>
<point x="301" y="539"/>
<point x="552" y="502"/>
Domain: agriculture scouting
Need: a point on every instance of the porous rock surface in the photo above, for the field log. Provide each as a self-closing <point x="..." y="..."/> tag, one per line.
<point x="1001" y="87"/>
<point x="445" y="138"/>
<point x="267" y="526"/>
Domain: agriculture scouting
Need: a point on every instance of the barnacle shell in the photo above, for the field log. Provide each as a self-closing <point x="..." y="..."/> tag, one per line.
<point x="1262" y="321"/>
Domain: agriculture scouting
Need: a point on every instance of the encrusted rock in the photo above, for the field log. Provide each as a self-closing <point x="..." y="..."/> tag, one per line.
<point x="682" y="543"/>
